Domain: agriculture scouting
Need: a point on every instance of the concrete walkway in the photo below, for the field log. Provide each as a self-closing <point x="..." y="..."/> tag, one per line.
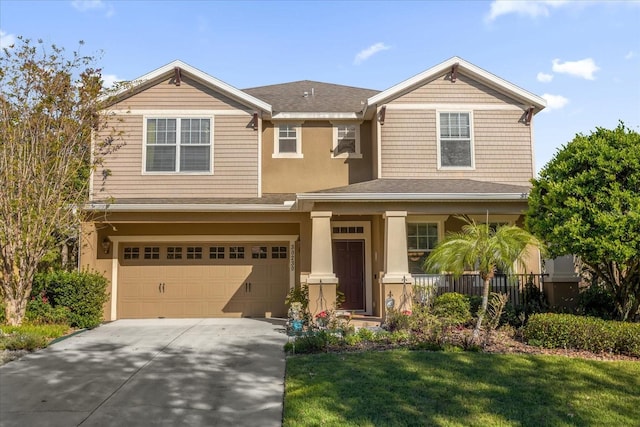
<point x="160" y="372"/>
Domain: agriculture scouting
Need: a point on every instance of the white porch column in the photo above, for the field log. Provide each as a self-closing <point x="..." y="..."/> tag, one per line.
<point x="396" y="264"/>
<point x="321" y="250"/>
<point x="397" y="281"/>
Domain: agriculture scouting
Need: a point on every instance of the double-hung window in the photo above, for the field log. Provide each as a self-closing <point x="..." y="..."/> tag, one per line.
<point x="455" y="140"/>
<point x="287" y="140"/>
<point x="178" y="145"/>
<point x="422" y="239"/>
<point x="346" y="141"/>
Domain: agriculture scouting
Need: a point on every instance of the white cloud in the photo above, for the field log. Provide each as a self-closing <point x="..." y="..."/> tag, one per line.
<point x="365" y="54"/>
<point x="544" y="77"/>
<point x="85" y="5"/>
<point x="584" y="68"/>
<point x="555" y="102"/>
<point x="6" y="40"/>
<point x="630" y="55"/>
<point x="108" y="80"/>
<point x="531" y="8"/>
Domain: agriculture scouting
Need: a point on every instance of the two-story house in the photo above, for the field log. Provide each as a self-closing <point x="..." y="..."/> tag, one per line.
<point x="221" y="200"/>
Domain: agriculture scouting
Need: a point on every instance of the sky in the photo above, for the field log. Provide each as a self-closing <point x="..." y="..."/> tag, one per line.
<point x="582" y="57"/>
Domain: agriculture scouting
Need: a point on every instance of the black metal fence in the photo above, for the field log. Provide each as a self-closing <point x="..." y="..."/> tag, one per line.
<point x="516" y="286"/>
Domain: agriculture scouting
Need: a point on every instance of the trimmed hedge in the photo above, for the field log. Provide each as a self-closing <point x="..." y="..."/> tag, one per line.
<point x="583" y="333"/>
<point x="82" y="293"/>
<point x="453" y="307"/>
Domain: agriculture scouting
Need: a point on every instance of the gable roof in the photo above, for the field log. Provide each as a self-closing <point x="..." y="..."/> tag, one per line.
<point x="158" y="74"/>
<point x="466" y="68"/>
<point x="317" y="98"/>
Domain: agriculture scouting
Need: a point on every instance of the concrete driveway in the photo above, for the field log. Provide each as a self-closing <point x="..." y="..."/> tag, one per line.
<point x="193" y="372"/>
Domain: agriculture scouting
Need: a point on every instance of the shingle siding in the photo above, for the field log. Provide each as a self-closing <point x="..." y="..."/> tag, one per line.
<point x="190" y="95"/>
<point x="502" y="147"/>
<point x="463" y="91"/>
<point x="235" y="155"/>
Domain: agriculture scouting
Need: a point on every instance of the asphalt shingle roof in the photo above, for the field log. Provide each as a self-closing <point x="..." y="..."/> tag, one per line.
<point x="320" y="97"/>
<point x="427" y="186"/>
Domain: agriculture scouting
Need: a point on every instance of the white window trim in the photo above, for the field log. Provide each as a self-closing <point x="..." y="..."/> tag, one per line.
<point x="439" y="220"/>
<point x="471" y="142"/>
<point x="176" y="171"/>
<point x="358" y="152"/>
<point x="276" y="141"/>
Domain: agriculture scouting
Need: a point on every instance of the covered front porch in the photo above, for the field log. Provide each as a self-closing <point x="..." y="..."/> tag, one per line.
<point x="367" y="248"/>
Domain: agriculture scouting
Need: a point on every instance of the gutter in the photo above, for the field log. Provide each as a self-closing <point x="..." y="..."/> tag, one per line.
<point x="349" y="197"/>
<point x="211" y="207"/>
<point x="316" y="116"/>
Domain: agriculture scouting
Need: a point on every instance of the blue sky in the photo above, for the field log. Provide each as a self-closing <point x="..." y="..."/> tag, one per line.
<point x="583" y="57"/>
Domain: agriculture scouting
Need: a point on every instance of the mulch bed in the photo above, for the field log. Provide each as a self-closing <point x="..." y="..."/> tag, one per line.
<point x="502" y="342"/>
<point x="505" y="343"/>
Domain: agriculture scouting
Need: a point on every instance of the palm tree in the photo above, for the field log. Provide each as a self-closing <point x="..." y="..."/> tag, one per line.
<point x="482" y="248"/>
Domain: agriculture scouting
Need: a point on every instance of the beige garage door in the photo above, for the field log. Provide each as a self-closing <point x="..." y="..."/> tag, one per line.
<point x="202" y="280"/>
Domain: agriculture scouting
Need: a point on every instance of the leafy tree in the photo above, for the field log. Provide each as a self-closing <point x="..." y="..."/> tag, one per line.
<point x="50" y="104"/>
<point x="587" y="202"/>
<point x="482" y="248"/>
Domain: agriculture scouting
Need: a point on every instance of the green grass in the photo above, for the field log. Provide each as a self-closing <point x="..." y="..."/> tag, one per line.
<point x="404" y="388"/>
<point x="29" y="337"/>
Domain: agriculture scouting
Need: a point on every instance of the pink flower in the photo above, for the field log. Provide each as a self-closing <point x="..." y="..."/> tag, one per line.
<point x="322" y="315"/>
<point x="407" y="312"/>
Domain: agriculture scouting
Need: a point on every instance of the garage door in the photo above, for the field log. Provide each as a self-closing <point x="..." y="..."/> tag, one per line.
<point x="202" y="280"/>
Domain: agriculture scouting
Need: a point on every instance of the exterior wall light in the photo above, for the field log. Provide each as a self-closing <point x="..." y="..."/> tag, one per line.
<point x="106" y="245"/>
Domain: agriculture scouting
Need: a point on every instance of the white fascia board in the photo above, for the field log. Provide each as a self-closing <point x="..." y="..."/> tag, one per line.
<point x="372" y="197"/>
<point x="475" y="71"/>
<point x="213" y="207"/>
<point x="316" y="116"/>
<point x="165" y="69"/>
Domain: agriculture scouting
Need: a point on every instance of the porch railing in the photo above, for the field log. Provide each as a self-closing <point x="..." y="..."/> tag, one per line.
<point x="513" y="285"/>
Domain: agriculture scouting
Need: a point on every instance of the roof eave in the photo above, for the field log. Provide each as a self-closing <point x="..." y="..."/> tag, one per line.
<point x="369" y="197"/>
<point x="189" y="207"/>
<point x="156" y="74"/>
<point x="529" y="98"/>
<point x="317" y="116"/>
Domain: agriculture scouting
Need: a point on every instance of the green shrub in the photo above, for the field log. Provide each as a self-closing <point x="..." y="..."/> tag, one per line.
<point x="39" y="311"/>
<point x="311" y="342"/>
<point x="475" y="301"/>
<point x="453" y="307"/>
<point x="365" y="334"/>
<point x="352" y="339"/>
<point x="533" y="301"/>
<point x="47" y="331"/>
<point x="82" y="293"/>
<point x="583" y="333"/>
<point x="399" y="337"/>
<point x="3" y="313"/>
<point x="397" y="320"/>
<point x="596" y="301"/>
<point x="22" y="341"/>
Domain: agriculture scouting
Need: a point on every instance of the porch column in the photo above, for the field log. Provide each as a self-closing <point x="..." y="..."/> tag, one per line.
<point x="397" y="281"/>
<point x="322" y="281"/>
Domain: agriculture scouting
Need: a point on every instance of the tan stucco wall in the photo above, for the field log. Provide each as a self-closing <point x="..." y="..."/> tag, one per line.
<point x="317" y="169"/>
<point x="93" y="258"/>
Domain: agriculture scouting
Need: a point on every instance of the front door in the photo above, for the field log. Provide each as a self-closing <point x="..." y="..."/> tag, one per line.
<point x="348" y="263"/>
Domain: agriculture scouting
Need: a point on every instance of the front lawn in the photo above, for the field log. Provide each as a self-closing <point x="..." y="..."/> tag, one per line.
<point x="402" y="387"/>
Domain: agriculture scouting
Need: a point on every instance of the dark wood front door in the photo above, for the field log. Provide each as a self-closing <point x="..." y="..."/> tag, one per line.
<point x="348" y="263"/>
